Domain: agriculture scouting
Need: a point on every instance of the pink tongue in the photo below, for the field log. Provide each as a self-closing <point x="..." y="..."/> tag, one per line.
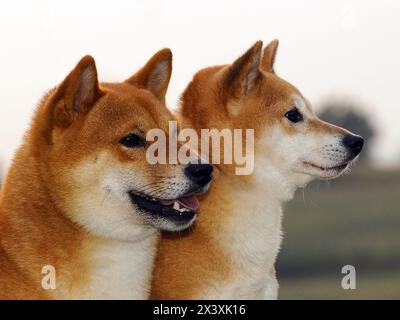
<point x="191" y="203"/>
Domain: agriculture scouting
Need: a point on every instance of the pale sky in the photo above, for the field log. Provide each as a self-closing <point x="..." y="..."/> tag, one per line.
<point x="341" y="48"/>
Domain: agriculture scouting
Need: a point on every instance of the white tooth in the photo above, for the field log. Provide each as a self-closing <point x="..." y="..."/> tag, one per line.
<point x="181" y="209"/>
<point x="176" y="205"/>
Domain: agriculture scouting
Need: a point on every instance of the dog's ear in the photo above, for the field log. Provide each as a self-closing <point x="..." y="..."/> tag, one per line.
<point x="155" y="75"/>
<point x="269" y="54"/>
<point x="243" y="74"/>
<point x="77" y="93"/>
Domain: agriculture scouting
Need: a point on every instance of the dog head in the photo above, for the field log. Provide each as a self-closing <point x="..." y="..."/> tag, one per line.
<point x="292" y="145"/>
<point x="91" y="138"/>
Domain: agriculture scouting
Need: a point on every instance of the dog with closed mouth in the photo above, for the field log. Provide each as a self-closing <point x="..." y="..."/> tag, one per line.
<point x="231" y="251"/>
<point x="80" y="195"/>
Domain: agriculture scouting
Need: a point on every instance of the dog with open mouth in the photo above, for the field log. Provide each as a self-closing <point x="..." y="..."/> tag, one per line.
<point x="81" y="207"/>
<point x="231" y="252"/>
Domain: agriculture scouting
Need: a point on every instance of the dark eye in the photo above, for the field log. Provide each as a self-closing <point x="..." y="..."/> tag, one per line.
<point x="133" y="141"/>
<point x="294" y="115"/>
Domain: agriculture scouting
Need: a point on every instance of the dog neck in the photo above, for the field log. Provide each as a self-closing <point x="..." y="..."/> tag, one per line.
<point x="275" y="183"/>
<point x="243" y="217"/>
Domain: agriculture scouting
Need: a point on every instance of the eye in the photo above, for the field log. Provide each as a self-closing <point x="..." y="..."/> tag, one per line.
<point x="133" y="141"/>
<point x="294" y="115"/>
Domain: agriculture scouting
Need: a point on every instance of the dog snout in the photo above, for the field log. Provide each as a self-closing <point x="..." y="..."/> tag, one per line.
<point x="201" y="173"/>
<point x="353" y="143"/>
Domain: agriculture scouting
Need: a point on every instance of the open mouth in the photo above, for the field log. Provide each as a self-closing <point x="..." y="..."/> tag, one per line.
<point x="180" y="211"/>
<point x="335" y="168"/>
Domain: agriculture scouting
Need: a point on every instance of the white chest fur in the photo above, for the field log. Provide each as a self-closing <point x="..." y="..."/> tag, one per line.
<point x="252" y="236"/>
<point x="120" y="270"/>
<point x="252" y="240"/>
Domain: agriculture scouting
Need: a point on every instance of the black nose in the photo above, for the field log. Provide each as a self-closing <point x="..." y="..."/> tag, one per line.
<point x="353" y="143"/>
<point x="199" y="173"/>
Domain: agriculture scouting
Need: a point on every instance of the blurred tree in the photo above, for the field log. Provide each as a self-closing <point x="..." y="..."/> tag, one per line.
<point x="347" y="114"/>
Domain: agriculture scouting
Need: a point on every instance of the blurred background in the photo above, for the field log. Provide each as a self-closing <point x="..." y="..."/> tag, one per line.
<point x="343" y="56"/>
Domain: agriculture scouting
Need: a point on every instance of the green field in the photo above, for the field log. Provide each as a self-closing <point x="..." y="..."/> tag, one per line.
<point x="354" y="220"/>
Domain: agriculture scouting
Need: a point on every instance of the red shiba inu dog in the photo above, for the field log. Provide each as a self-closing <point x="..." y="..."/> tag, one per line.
<point x="80" y="201"/>
<point x="230" y="254"/>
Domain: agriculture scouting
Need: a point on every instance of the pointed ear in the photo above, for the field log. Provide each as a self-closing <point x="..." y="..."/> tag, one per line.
<point x="268" y="59"/>
<point x="155" y="75"/>
<point x="77" y="93"/>
<point x="243" y="74"/>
